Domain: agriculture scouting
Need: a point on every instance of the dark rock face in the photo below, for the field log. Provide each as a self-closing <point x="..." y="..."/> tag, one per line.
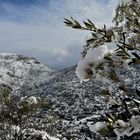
<point x="73" y="104"/>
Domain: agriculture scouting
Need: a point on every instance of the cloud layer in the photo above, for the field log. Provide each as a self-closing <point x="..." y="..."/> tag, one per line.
<point x="37" y="29"/>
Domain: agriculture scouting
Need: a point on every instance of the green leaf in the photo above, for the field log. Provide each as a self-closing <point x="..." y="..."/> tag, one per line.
<point x="132" y="129"/>
<point x="123" y="88"/>
<point x="89" y="26"/>
<point x="125" y="57"/>
<point x="113" y="76"/>
<point x="130" y="63"/>
<point x="130" y="48"/>
<point x="94" y="35"/>
<point x="136" y="61"/>
<point x="136" y="55"/>
<point x="110" y="118"/>
<point x="90" y="41"/>
<point x="76" y="26"/>
<point x="105" y="92"/>
<point x="107" y="57"/>
<point x="77" y="23"/>
<point x="91" y="23"/>
<point x="100" y="31"/>
<point x="68" y="22"/>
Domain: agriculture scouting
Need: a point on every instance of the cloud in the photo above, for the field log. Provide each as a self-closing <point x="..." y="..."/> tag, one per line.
<point x="37" y="29"/>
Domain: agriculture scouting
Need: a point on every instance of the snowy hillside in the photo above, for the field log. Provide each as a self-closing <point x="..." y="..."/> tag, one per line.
<point x="71" y="106"/>
<point x="16" y="70"/>
<point x="76" y="104"/>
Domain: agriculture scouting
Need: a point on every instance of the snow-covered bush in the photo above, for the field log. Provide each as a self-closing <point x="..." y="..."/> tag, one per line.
<point x="105" y="53"/>
<point x="20" y="117"/>
<point x="87" y="66"/>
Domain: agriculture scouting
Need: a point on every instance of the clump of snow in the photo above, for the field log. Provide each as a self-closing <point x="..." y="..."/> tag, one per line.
<point x="94" y="56"/>
<point x="116" y="37"/>
<point x="32" y="100"/>
<point x="88" y="66"/>
<point x="121" y="128"/>
<point x="97" y="127"/>
<point x="121" y="123"/>
<point x="84" y="70"/>
<point x="127" y="128"/>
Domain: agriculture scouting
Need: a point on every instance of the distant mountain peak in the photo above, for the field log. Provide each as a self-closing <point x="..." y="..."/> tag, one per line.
<point x="15" y="70"/>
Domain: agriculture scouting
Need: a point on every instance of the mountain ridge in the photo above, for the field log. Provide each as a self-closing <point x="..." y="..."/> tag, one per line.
<point x="72" y="103"/>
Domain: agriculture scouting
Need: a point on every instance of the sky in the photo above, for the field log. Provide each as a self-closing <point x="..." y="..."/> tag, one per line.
<point x="35" y="28"/>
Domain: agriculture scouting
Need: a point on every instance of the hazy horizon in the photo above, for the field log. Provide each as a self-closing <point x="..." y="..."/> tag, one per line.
<point x="35" y="28"/>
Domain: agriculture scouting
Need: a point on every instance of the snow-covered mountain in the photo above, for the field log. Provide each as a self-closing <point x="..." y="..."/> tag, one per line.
<point x="16" y="70"/>
<point x="71" y="103"/>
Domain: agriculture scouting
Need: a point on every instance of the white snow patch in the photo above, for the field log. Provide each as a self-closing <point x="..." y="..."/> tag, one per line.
<point x="87" y="118"/>
<point x="94" y="56"/>
<point x="97" y="127"/>
<point x="32" y="100"/>
<point x="128" y="128"/>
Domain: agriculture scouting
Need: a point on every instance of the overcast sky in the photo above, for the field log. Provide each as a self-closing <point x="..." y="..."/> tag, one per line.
<point x="35" y="28"/>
